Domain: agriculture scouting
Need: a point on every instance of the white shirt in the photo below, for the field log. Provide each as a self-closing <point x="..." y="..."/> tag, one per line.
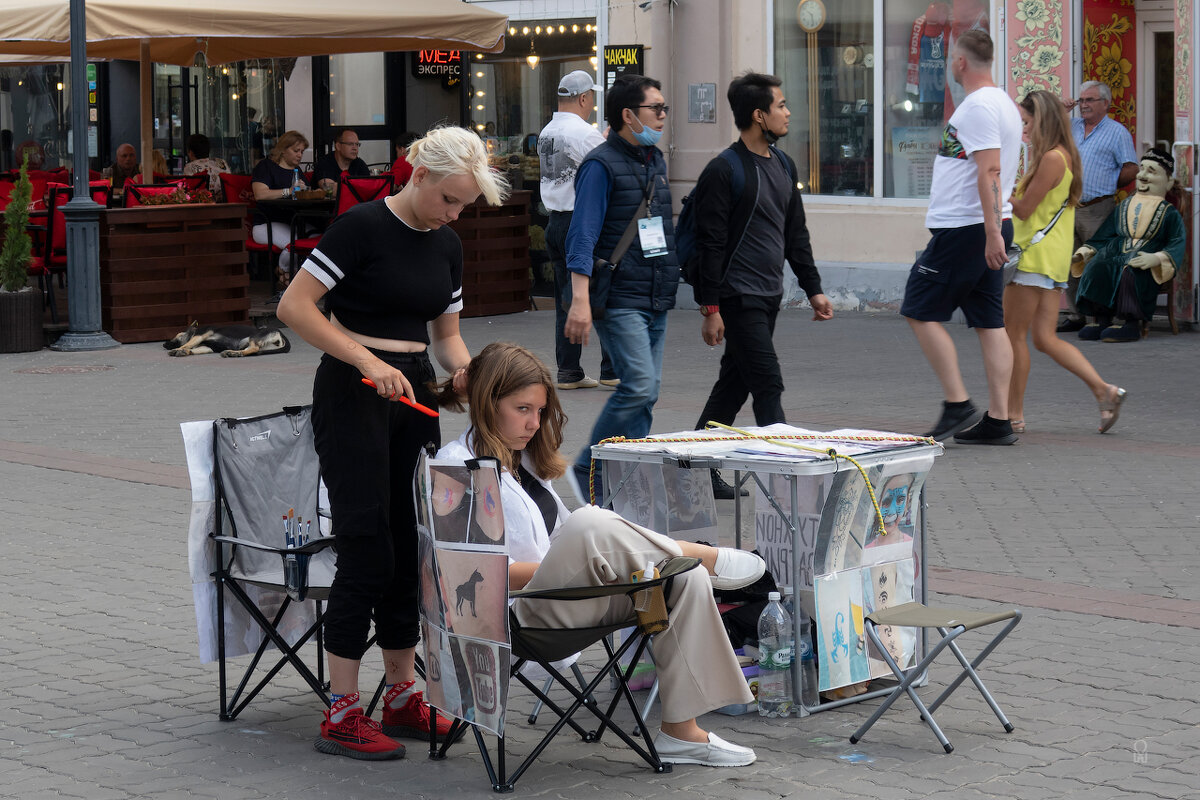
<point x="562" y="144"/>
<point x="987" y="119"/>
<point x="524" y="528"/>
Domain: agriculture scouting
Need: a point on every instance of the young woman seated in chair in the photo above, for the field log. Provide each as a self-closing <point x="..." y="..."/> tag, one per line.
<point x="516" y="418"/>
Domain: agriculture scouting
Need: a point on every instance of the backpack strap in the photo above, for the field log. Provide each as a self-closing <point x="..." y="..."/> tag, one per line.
<point x="738" y="179"/>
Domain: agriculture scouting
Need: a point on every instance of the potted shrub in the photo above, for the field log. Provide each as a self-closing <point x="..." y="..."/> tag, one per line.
<point x="20" y="305"/>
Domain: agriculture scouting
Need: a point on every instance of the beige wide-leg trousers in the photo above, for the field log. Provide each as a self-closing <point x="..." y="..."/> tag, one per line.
<point x="697" y="669"/>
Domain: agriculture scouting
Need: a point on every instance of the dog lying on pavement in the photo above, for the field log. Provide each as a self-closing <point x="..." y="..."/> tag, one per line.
<point x="230" y="341"/>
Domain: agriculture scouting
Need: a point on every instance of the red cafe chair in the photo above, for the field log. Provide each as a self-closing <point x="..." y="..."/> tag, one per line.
<point x="237" y="190"/>
<point x="351" y="192"/>
<point x="52" y="258"/>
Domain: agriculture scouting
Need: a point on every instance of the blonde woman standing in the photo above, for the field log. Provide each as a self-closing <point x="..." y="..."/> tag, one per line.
<point x="1053" y="182"/>
<point x="391" y="275"/>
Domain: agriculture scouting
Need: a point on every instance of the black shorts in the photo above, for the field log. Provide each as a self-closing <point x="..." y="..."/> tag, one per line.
<point x="953" y="273"/>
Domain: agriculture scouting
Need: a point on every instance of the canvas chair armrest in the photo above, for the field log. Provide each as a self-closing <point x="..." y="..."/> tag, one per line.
<point x="310" y="548"/>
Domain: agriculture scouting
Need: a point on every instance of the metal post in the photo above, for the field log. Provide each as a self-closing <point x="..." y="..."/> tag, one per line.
<point x="82" y="214"/>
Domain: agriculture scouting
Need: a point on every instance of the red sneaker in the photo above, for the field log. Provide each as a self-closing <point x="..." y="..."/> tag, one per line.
<point x="412" y="719"/>
<point x="356" y="736"/>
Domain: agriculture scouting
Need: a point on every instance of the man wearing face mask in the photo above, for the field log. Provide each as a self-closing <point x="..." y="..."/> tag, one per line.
<point x="622" y="197"/>
<point x="749" y="219"/>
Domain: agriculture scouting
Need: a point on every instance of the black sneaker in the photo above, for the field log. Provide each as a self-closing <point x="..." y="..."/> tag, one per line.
<point x="988" y="431"/>
<point x="954" y="419"/>
<point x="1069" y="324"/>
<point x="721" y="489"/>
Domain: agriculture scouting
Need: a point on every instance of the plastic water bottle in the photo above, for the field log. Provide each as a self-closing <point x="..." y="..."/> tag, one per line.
<point x="297" y="182"/>
<point x="808" y="664"/>
<point x="775" y="650"/>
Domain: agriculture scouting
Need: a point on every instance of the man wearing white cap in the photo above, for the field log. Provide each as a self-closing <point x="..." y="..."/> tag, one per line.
<point x="562" y="144"/>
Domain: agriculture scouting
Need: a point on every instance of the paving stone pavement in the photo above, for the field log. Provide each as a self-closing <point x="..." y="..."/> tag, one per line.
<point x="1093" y="536"/>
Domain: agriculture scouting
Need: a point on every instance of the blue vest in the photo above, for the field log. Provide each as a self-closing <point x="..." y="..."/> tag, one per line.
<point x="645" y="283"/>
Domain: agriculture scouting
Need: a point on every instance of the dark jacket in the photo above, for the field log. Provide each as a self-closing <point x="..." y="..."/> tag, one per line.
<point x="720" y="225"/>
<point x="644" y="283"/>
<point x="327" y="168"/>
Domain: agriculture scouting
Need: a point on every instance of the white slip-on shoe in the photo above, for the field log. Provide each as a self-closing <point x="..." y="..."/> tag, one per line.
<point x="736" y="569"/>
<point x="716" y="752"/>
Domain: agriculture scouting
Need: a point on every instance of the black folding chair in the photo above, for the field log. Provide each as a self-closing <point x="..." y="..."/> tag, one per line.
<point x="546" y="645"/>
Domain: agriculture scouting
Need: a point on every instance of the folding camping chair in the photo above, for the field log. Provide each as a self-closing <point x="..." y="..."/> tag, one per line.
<point x="545" y="645"/>
<point x="264" y="467"/>
<point x="950" y="623"/>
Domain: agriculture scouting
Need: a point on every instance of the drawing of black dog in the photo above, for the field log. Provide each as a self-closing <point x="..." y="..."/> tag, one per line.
<point x="231" y="341"/>
<point x="466" y="591"/>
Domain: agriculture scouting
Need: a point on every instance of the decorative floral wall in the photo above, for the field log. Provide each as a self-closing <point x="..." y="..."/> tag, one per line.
<point x="1183" y="66"/>
<point x="1109" y="54"/>
<point x="1039" y="39"/>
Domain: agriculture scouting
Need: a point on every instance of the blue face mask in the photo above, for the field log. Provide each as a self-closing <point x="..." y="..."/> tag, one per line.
<point x="646" y="136"/>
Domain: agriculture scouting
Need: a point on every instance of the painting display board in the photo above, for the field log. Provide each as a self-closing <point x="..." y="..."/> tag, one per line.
<point x="836" y="513"/>
<point x="463" y="590"/>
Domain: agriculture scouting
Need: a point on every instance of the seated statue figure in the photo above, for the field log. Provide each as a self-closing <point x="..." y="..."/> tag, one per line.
<point x="1134" y="252"/>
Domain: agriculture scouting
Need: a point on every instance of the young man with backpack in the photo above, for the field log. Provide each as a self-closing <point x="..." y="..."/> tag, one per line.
<point x="747" y="217"/>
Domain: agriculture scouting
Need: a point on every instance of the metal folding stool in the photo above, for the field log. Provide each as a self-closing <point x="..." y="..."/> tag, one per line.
<point x="950" y="623"/>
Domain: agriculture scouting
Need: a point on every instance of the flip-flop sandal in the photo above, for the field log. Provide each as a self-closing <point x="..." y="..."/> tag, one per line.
<point x="1112" y="407"/>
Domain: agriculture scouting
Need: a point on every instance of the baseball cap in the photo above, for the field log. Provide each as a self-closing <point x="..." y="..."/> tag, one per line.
<point x="576" y="83"/>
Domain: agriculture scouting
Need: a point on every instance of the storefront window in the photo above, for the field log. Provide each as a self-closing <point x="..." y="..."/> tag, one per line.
<point x="825" y="55"/>
<point x="513" y="94"/>
<point x="919" y="92"/>
<point x="356" y="89"/>
<point x="35" y="116"/>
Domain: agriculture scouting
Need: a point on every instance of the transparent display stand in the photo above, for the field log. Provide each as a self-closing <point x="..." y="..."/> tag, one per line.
<point x="838" y="515"/>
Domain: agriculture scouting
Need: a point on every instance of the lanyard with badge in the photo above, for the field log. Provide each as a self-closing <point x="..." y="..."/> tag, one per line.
<point x="651" y="235"/>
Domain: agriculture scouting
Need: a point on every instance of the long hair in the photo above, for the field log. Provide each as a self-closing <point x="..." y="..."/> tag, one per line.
<point x="451" y="150"/>
<point x="286" y="140"/>
<point x="1050" y="129"/>
<point x="501" y="369"/>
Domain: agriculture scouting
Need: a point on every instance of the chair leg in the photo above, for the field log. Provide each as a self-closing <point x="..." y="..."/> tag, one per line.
<point x="905" y="687"/>
<point x="969" y="668"/>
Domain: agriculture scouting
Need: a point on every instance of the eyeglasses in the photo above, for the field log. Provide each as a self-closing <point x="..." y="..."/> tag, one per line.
<point x="660" y="109"/>
<point x="351" y="144"/>
<point x="1091" y="99"/>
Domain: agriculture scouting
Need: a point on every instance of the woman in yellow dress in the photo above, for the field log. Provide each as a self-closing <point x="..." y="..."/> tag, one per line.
<point x="1052" y="182"/>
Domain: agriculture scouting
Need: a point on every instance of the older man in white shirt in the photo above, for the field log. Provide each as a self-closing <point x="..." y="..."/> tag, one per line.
<point x="562" y="144"/>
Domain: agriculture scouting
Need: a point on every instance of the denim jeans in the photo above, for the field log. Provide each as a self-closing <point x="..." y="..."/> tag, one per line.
<point x="634" y="340"/>
<point x="566" y="354"/>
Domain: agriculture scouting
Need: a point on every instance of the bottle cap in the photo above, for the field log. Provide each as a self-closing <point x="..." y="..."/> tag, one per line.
<point x="773" y="597"/>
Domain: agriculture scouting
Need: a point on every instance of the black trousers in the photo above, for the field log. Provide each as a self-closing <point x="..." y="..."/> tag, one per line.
<point x="368" y="448"/>
<point x="749" y="365"/>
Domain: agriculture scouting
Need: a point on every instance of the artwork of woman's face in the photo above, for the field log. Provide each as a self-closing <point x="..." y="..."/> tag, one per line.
<point x="893" y="500"/>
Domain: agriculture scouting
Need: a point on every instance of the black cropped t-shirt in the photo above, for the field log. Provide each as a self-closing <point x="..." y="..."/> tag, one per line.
<point x="386" y="279"/>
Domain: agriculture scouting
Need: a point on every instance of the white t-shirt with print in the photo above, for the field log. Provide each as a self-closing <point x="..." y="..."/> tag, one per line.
<point x="562" y="144"/>
<point x="987" y="119"/>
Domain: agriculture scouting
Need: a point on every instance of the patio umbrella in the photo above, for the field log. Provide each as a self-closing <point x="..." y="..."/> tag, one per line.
<point x="234" y="30"/>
